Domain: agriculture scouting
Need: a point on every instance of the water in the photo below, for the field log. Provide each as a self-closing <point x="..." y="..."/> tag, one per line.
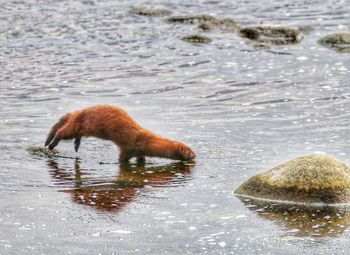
<point x="242" y="110"/>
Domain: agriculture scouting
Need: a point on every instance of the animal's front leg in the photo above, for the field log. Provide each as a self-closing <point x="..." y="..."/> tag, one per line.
<point x="77" y="143"/>
<point x="54" y="143"/>
<point x="141" y="160"/>
<point x="66" y="132"/>
<point x="125" y="155"/>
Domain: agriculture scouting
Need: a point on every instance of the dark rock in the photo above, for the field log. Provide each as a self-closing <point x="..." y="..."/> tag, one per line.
<point x="197" y="39"/>
<point x="191" y="19"/>
<point x="276" y="35"/>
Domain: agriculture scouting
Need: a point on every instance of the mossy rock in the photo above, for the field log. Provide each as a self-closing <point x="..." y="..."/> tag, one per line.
<point x="149" y="12"/>
<point x="339" y="42"/>
<point x="42" y="151"/>
<point x="277" y="35"/>
<point x="313" y="179"/>
<point x="197" y="39"/>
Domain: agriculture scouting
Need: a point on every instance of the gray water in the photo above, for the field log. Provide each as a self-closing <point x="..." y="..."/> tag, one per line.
<point x="242" y="111"/>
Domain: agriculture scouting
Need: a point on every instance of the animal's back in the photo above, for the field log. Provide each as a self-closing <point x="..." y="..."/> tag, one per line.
<point x="108" y="113"/>
<point x="107" y="122"/>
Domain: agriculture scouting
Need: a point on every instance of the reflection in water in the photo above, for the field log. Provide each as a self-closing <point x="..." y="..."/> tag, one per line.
<point x="302" y="220"/>
<point x="113" y="194"/>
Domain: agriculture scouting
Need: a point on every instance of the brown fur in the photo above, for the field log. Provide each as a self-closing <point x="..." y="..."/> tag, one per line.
<point x="113" y="123"/>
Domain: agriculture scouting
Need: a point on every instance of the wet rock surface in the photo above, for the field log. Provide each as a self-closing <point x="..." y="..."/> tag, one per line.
<point x="149" y="12"/>
<point x="339" y="42"/>
<point x="206" y="22"/>
<point x="197" y="39"/>
<point x="42" y="151"/>
<point x="264" y="35"/>
<point x="222" y="25"/>
<point x="276" y="35"/>
<point x="312" y="179"/>
<point x="191" y="19"/>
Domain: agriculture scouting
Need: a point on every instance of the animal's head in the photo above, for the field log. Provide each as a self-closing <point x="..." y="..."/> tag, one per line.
<point x="184" y="152"/>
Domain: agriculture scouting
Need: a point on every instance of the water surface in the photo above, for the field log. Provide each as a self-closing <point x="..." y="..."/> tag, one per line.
<point x="242" y="110"/>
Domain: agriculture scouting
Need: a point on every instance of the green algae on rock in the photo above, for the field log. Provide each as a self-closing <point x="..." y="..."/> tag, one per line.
<point x="312" y="179"/>
<point x="277" y="35"/>
<point x="339" y="42"/>
<point x="42" y="151"/>
<point x="149" y="12"/>
<point x="197" y="39"/>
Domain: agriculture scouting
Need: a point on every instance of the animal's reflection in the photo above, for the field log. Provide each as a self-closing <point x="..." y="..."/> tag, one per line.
<point x="113" y="194"/>
<point x="302" y="220"/>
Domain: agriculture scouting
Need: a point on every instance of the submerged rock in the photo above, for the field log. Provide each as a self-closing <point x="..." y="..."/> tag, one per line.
<point x="42" y="151"/>
<point x="306" y="29"/>
<point x="223" y="25"/>
<point x="207" y="22"/>
<point x="197" y="39"/>
<point x="191" y="19"/>
<point x="149" y="12"/>
<point x="262" y="46"/>
<point x="277" y="35"/>
<point x="312" y="179"/>
<point x="339" y="42"/>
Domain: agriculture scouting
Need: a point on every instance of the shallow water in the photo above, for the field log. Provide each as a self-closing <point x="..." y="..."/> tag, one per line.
<point x="242" y="110"/>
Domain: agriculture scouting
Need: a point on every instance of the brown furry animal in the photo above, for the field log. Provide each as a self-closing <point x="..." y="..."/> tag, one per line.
<point x="113" y="123"/>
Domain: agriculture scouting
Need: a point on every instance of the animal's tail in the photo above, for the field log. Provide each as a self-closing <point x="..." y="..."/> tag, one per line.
<point x="54" y="129"/>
